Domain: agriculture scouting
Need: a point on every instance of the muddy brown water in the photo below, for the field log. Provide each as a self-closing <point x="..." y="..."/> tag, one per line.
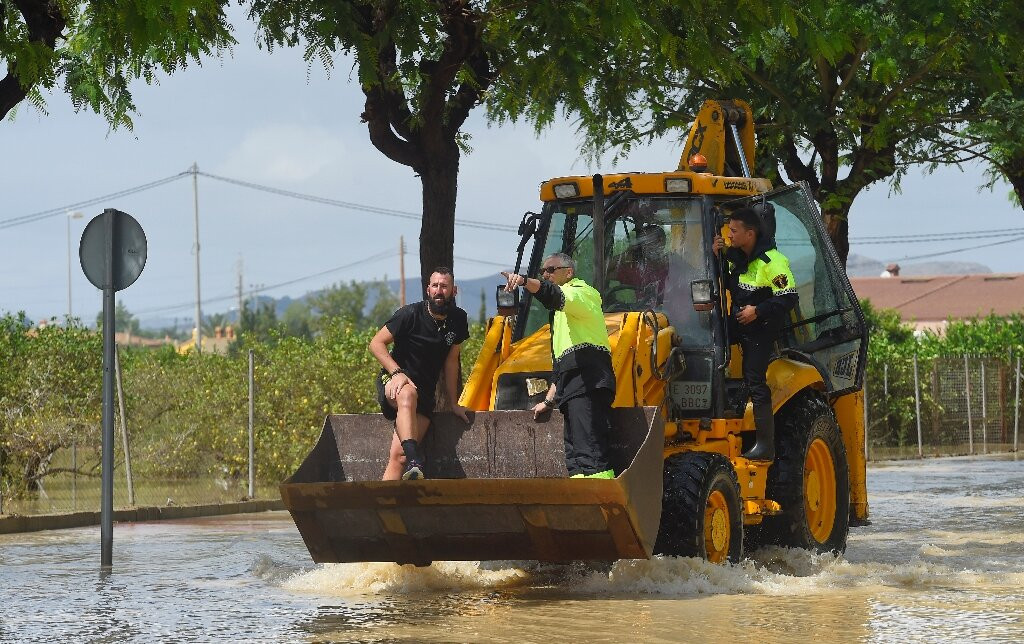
<point x="943" y="560"/>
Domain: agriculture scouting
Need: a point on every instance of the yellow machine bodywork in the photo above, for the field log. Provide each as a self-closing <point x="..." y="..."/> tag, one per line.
<point x="636" y="386"/>
<point x="712" y="136"/>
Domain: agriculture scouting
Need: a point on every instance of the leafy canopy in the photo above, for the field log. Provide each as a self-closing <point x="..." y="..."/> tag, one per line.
<point x="95" y="49"/>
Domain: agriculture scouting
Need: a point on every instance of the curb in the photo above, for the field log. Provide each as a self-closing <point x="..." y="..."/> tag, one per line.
<point x="21" y="523"/>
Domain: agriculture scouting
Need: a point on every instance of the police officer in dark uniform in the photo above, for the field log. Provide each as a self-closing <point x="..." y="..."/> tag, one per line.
<point x="763" y="292"/>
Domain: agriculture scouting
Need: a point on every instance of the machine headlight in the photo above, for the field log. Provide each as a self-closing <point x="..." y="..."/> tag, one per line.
<point x="506" y="299"/>
<point x="677" y="184"/>
<point x="566" y="190"/>
<point x="702" y="292"/>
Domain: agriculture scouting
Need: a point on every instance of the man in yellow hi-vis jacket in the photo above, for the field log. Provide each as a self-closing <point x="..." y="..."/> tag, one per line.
<point x="763" y="292"/>
<point x="584" y="383"/>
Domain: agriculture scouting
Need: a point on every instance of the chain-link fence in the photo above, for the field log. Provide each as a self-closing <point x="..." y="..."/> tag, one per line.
<point x="941" y="406"/>
<point x="190" y="444"/>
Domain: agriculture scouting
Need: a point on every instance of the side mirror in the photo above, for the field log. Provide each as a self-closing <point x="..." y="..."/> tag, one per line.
<point x="702" y="293"/>
<point x="508" y="302"/>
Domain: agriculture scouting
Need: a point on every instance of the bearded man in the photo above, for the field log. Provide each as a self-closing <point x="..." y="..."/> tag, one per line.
<point x="427" y="336"/>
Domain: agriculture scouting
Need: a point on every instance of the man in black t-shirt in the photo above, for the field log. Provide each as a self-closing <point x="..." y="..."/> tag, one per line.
<point x="427" y="336"/>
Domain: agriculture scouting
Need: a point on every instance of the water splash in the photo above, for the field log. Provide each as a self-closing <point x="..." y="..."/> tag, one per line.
<point x="770" y="571"/>
<point x="361" y="578"/>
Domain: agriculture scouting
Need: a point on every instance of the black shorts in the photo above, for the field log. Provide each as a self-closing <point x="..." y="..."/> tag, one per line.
<point x="424" y="404"/>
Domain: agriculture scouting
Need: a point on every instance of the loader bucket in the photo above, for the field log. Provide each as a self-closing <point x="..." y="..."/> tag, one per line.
<point x="495" y="489"/>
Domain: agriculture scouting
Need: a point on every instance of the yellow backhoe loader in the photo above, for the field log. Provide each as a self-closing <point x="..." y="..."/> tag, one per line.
<point x="497" y="489"/>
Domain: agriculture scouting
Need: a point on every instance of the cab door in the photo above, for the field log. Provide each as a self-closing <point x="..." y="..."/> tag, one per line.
<point x="827" y="327"/>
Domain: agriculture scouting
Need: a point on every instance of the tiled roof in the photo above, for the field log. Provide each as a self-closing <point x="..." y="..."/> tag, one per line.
<point x="938" y="297"/>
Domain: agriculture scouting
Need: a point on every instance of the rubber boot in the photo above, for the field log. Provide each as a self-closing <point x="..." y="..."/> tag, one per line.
<point x="764" y="448"/>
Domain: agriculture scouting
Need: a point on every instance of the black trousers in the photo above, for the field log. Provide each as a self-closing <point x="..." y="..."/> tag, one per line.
<point x="756" y="352"/>
<point x="586" y="421"/>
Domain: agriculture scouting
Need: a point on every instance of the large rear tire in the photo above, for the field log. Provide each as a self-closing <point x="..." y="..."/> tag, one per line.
<point x="700" y="511"/>
<point x="810" y="479"/>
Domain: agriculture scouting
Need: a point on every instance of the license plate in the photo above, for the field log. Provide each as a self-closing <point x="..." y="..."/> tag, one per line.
<point x="691" y="394"/>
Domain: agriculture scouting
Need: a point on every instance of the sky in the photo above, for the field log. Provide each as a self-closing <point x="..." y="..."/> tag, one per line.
<point x="276" y="121"/>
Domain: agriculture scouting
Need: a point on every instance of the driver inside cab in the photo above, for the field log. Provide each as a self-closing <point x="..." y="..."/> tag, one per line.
<point x="643" y="266"/>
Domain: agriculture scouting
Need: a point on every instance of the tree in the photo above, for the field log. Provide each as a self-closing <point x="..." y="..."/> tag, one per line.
<point x="845" y="93"/>
<point x="124" y="320"/>
<point x="212" y="322"/>
<point x="351" y="302"/>
<point x="424" y="65"/>
<point x="258" y="320"/>
<point x="987" y="122"/>
<point x="97" y="47"/>
<point x="298" y="320"/>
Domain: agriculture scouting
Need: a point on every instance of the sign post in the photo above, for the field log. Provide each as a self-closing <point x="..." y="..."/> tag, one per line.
<point x="113" y="254"/>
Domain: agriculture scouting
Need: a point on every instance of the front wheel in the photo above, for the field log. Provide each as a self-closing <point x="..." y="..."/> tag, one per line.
<point x="810" y="479"/>
<point x="700" y="511"/>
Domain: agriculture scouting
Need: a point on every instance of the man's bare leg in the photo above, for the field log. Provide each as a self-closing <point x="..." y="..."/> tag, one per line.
<point x="396" y="455"/>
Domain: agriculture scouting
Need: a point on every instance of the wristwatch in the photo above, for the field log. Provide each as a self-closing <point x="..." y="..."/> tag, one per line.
<point x="549" y="403"/>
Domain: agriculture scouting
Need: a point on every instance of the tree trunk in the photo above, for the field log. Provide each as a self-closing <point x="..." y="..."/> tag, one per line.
<point x="1013" y="170"/>
<point x="437" y="230"/>
<point x="838" y="226"/>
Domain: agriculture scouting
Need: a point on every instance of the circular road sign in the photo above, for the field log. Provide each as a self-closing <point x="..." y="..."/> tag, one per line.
<point x="128" y="249"/>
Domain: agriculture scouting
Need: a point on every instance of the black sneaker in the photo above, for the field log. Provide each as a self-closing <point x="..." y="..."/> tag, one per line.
<point x="413" y="471"/>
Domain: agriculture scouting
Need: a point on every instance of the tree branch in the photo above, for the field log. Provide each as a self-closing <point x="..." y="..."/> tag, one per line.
<point x="45" y="23"/>
<point x="382" y="136"/>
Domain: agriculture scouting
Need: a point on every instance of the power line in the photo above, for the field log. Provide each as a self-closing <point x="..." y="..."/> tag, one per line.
<point x="372" y="258"/>
<point x="960" y="250"/>
<point x="938" y="236"/>
<point x="62" y="210"/>
<point x="931" y="240"/>
<point x="401" y="214"/>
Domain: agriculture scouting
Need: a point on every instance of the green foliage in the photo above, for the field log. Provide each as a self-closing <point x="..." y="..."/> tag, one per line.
<point x="349" y="302"/>
<point x="49" y="396"/>
<point x="96" y="49"/>
<point x="890" y="370"/>
<point x="999" y="337"/>
<point x="258" y="321"/>
<point x="187" y="414"/>
<point x="124" y="320"/>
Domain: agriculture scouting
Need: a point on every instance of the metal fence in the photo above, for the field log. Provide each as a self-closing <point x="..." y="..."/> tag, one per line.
<point x="942" y="406"/>
<point x="916" y="407"/>
<point x="140" y="479"/>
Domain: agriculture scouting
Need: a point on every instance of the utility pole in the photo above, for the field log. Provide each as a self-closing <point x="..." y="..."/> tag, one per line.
<point x="401" y="269"/>
<point x="199" y="309"/>
<point x="239" y="291"/>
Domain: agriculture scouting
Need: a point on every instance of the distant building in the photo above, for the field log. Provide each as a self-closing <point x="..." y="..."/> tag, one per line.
<point x="927" y="302"/>
<point x="125" y="339"/>
<point x="219" y="343"/>
<point x="892" y="270"/>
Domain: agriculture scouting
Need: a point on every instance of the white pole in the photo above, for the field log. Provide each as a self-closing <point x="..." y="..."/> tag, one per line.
<point x="70" y="215"/>
<point x="1016" y="405"/>
<point x="252" y="442"/>
<point x="970" y="425"/>
<point x="124" y="429"/>
<point x="199" y="310"/>
<point x="917" y="409"/>
<point x="984" y="411"/>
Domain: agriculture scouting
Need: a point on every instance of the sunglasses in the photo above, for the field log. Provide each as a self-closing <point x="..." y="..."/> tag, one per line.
<point x="551" y="269"/>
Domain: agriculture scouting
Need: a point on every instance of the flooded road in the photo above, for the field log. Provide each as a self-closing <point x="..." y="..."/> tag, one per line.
<point x="943" y="560"/>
